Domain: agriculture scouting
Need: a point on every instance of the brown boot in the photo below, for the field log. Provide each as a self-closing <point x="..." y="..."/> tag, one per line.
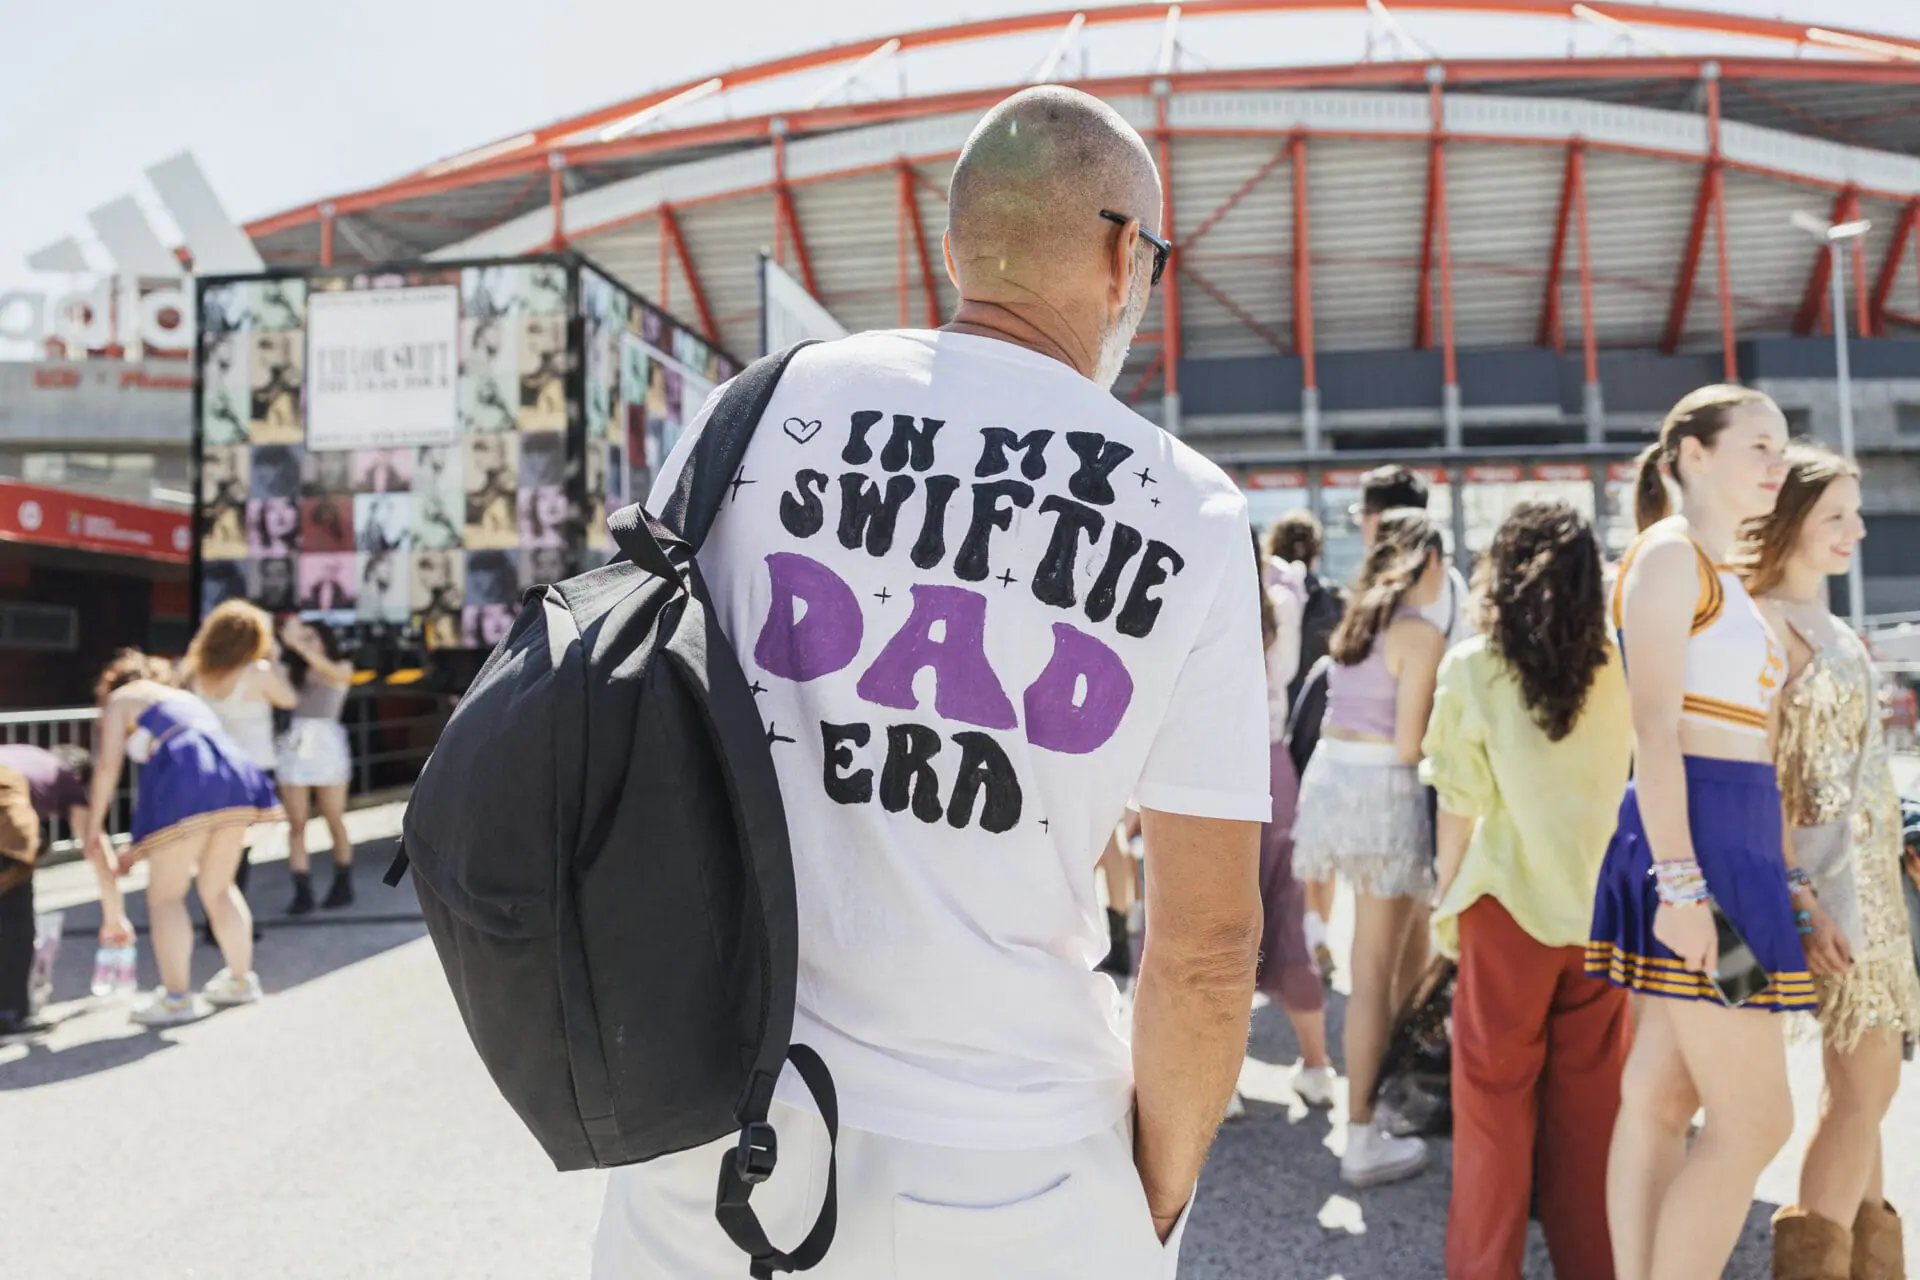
<point x="1807" y="1246"/>
<point x="1878" y="1251"/>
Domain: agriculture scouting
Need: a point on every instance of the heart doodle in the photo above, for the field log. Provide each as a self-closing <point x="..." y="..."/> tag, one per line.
<point x="800" y="432"/>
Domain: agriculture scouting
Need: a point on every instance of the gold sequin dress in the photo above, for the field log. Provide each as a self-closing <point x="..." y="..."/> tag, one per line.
<point x="1828" y="716"/>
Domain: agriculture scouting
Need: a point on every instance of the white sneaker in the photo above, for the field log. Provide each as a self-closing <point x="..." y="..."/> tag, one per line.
<point x="1314" y="1086"/>
<point x="223" y="990"/>
<point x="163" y="1010"/>
<point x="1389" y="1121"/>
<point x="1236" y="1106"/>
<point x="1374" y="1158"/>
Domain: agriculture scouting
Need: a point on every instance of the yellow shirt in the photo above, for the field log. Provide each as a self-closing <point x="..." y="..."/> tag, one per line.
<point x="1545" y="810"/>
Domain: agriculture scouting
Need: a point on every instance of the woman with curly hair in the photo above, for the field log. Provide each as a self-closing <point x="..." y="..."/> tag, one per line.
<point x="197" y="795"/>
<point x="1528" y="748"/>
<point x="1363" y="815"/>
<point x="1843" y="810"/>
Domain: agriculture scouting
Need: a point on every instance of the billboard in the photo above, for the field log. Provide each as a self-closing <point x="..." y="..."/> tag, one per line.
<point x="401" y="452"/>
<point x="788" y="313"/>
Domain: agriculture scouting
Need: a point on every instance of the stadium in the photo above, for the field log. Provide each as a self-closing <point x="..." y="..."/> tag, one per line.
<point x="1496" y="241"/>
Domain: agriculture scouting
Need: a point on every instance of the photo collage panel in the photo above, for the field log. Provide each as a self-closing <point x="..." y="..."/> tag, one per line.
<point x="440" y="541"/>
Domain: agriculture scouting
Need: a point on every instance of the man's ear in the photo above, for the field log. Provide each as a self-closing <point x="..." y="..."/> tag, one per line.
<point x="946" y="253"/>
<point x="1120" y="265"/>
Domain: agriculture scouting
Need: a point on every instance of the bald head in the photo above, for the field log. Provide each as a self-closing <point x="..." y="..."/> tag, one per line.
<point x="1025" y="238"/>
<point x="1032" y="179"/>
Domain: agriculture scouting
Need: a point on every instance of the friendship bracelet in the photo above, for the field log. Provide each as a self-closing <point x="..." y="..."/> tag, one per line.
<point x="1803" y="923"/>
<point x="1679" y="882"/>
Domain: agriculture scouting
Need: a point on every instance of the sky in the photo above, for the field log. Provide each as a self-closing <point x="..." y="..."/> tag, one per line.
<point x="284" y="103"/>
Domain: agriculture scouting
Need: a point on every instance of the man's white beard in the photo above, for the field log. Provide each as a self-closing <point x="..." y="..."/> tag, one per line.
<point x="1118" y="339"/>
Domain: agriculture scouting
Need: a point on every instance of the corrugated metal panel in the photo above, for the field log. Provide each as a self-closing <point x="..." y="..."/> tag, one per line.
<point x="1501" y="207"/>
<point x="1639" y="210"/>
<point x="1366" y="202"/>
<point x="852" y="229"/>
<point x="1768" y="260"/>
<point x="1246" y="255"/>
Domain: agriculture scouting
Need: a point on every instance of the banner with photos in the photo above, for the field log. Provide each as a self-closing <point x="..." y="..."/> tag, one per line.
<point x="401" y="454"/>
<point x="646" y="378"/>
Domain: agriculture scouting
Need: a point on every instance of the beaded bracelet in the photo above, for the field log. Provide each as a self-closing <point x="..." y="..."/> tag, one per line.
<point x="1679" y="883"/>
<point x="1798" y="879"/>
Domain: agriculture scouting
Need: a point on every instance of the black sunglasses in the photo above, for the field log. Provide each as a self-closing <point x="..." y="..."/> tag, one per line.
<point x="1162" y="249"/>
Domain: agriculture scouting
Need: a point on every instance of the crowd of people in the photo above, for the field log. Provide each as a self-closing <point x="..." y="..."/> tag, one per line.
<point x="1643" y="811"/>
<point x="1581" y="783"/>
<point x="211" y="766"/>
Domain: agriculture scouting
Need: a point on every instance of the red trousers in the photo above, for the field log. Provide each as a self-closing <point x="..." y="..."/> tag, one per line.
<point x="1538" y="1048"/>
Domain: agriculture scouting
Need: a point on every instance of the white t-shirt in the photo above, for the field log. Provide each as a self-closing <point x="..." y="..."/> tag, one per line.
<point x="982" y="604"/>
<point x="1453" y="611"/>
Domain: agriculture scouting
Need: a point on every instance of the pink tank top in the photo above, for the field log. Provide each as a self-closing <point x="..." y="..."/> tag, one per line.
<point x="1364" y="697"/>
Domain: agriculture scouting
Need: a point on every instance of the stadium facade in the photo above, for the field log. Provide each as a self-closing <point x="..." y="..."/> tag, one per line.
<point x="1499" y="266"/>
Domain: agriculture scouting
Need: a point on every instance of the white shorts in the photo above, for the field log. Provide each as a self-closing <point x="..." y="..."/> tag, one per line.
<point x="314" y="753"/>
<point x="908" y="1211"/>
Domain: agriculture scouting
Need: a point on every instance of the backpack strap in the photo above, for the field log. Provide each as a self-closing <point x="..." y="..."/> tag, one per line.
<point x="700" y="654"/>
<point x="721" y="445"/>
<point x="752" y="1163"/>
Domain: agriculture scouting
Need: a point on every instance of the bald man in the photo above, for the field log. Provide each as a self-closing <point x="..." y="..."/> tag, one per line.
<point x="983" y="606"/>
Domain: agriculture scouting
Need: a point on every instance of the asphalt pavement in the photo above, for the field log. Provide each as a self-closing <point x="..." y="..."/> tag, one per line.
<point x="344" y="1128"/>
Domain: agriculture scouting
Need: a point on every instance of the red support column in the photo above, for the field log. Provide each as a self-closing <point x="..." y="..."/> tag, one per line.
<point x="787" y="220"/>
<point x="1889" y="272"/>
<point x="1450" y="387"/>
<point x="666" y="256"/>
<point x="326" y="234"/>
<point x="900" y="241"/>
<point x="1589" y="341"/>
<point x="1729" y="355"/>
<point x="1170" y="282"/>
<point x="779" y="185"/>
<point x="1303" y="342"/>
<point x="1682" y="300"/>
<point x="1717" y="182"/>
<point x="557" y="199"/>
<point x="1552" y="332"/>
<point x="1814" y="301"/>
<point x="670" y="229"/>
<point x="1423" y="305"/>
<point x="909" y="195"/>
<point x="1863" y="315"/>
<point x="1302" y="267"/>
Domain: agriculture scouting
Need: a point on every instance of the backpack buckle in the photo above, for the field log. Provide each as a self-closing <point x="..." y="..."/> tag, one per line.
<point x="758" y="1152"/>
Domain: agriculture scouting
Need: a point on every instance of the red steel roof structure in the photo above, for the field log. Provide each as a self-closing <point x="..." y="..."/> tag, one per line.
<point x="1594" y="189"/>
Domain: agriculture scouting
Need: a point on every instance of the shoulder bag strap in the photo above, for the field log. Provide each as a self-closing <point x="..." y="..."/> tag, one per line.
<point x="721" y="445"/>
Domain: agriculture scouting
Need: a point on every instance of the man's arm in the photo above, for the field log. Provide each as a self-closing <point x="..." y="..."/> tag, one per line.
<point x="1194" y="996"/>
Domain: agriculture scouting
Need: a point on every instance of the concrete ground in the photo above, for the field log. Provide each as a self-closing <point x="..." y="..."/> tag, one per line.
<point x="345" y="1128"/>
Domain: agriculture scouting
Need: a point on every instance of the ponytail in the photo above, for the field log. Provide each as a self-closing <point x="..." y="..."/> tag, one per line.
<point x="1651" y="501"/>
<point x="1702" y="415"/>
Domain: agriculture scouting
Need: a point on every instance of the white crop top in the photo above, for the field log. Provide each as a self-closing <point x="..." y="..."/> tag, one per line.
<point x="1734" y="665"/>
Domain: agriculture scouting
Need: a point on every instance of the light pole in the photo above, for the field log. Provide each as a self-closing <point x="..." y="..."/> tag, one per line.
<point x="1836" y="235"/>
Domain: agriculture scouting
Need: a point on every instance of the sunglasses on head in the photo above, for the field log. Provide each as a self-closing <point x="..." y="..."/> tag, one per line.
<point x="1162" y="248"/>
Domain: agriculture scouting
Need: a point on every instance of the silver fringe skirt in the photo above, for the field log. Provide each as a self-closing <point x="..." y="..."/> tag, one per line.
<point x="1363" y="816"/>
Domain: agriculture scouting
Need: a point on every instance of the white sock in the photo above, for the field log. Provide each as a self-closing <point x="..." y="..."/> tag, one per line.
<point x="1316" y="929"/>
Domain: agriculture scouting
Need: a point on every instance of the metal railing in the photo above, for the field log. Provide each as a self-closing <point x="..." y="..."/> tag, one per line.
<point x="67" y="726"/>
<point x="387" y="752"/>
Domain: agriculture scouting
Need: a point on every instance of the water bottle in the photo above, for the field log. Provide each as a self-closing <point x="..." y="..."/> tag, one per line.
<point x="126" y="969"/>
<point x="105" y="972"/>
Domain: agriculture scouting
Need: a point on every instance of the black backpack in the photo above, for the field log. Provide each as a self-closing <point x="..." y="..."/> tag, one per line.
<point x="601" y="856"/>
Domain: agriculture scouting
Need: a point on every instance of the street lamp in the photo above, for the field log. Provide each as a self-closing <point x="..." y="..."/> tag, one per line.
<point x="1836" y="235"/>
